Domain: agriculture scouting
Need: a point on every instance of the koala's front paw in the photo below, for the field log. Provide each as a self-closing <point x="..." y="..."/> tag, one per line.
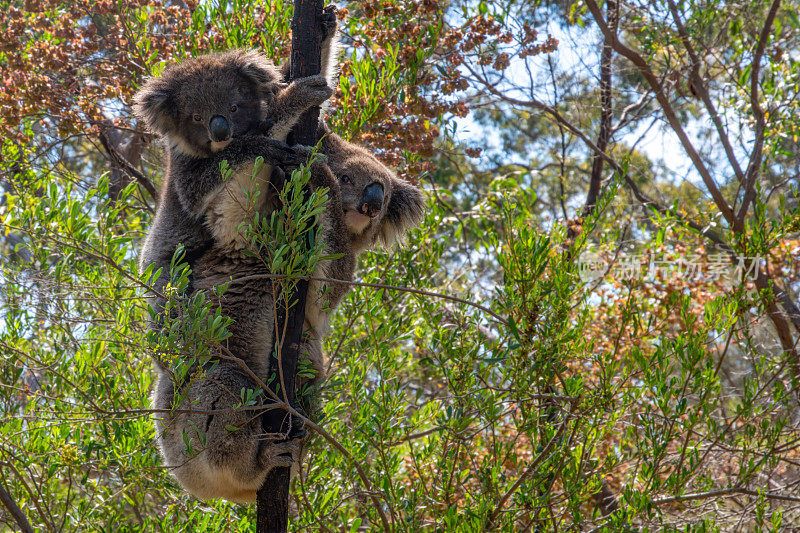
<point x="264" y="127"/>
<point x="313" y="90"/>
<point x="278" y="178"/>
<point x="284" y="453"/>
<point x="328" y="21"/>
<point x="298" y="425"/>
<point x="303" y="152"/>
<point x="300" y="155"/>
<point x="280" y="153"/>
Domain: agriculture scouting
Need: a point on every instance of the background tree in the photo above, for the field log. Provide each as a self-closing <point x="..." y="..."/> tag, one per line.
<point x="648" y="137"/>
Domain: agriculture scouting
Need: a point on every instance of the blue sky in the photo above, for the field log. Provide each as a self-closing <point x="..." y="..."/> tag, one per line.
<point x="578" y="55"/>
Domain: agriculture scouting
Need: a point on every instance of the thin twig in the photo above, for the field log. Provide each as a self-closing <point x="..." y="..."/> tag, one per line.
<point x="377" y="286"/>
<point x="725" y="492"/>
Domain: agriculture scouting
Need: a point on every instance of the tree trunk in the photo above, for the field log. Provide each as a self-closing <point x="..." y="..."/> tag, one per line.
<point x="272" y="500"/>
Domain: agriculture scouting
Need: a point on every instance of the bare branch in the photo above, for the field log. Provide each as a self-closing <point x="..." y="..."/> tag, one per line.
<point x="765" y="285"/>
<point x="702" y="91"/>
<point x="120" y="161"/>
<point x="632" y="109"/>
<point x="726" y="492"/>
<point x="754" y="166"/>
<point x="606" y="108"/>
<point x="637" y="193"/>
<point x="672" y="118"/>
<point x="14" y="510"/>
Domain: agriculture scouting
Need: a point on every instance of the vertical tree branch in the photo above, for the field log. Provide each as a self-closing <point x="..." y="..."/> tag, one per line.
<point x="272" y="499"/>
<point x="306" y="61"/>
<point x="606" y="499"/>
<point x="606" y="108"/>
<point x="125" y="155"/>
<point x="767" y="288"/>
<point x="756" y="157"/>
<point x="672" y="117"/>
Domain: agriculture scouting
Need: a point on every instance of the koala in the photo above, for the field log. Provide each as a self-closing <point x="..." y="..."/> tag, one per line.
<point x="377" y="205"/>
<point x="207" y="109"/>
<point x="216" y="448"/>
<point x="374" y="206"/>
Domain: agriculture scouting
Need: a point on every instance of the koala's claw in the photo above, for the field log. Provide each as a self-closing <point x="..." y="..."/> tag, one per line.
<point x="314" y="89"/>
<point x="303" y="152"/>
<point x="278" y="178"/>
<point x="328" y="20"/>
<point x="298" y="427"/>
<point x="278" y="152"/>
<point x="281" y="453"/>
<point x="316" y="81"/>
<point x="265" y="126"/>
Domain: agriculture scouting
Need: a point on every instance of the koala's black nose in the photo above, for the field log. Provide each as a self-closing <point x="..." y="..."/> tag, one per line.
<point x="220" y="130"/>
<point x="372" y="200"/>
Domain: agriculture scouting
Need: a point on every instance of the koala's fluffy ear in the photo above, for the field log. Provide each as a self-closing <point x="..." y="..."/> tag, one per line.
<point x="333" y="146"/>
<point x="154" y="106"/>
<point x="405" y="210"/>
<point x="255" y="67"/>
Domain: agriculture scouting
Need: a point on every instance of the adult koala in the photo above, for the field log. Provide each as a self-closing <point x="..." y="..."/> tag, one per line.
<point x="218" y="447"/>
<point x="206" y="109"/>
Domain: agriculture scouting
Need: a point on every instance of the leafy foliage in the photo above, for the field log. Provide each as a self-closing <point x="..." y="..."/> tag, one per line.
<point x="508" y="390"/>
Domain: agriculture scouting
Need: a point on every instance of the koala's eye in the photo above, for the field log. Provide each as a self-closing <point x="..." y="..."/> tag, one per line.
<point x="197" y="118"/>
<point x="346" y="179"/>
<point x="234" y="108"/>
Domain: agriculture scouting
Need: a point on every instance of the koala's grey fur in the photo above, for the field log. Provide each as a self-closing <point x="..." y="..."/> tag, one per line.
<point x="220" y="461"/>
<point x="228" y="453"/>
<point x="356" y="169"/>
<point x="197" y="209"/>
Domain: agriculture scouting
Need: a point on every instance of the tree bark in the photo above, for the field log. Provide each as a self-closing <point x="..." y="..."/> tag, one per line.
<point x="606" y="110"/>
<point x="272" y="500"/>
<point x="306" y="61"/>
<point x="14" y="510"/>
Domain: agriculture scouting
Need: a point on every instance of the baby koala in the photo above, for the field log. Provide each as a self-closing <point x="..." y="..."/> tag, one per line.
<point x="378" y="206"/>
<point x="206" y="109"/>
<point x="372" y="205"/>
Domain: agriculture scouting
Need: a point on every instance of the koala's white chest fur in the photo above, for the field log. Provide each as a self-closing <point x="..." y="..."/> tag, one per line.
<point x="231" y="208"/>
